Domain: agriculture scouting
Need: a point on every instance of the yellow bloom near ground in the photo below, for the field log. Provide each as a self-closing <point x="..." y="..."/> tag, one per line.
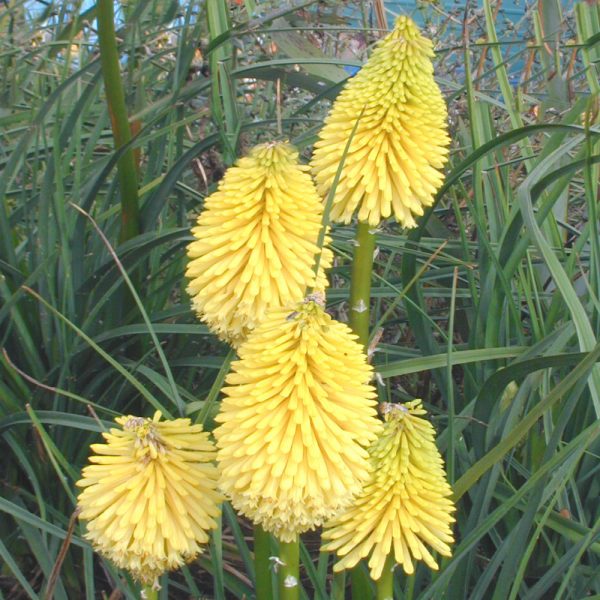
<point x="404" y="507"/>
<point x="255" y="242"/>
<point x="297" y="414"/>
<point x="394" y="160"/>
<point x="149" y="497"/>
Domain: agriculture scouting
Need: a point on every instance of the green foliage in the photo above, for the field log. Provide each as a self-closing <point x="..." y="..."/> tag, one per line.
<point x="490" y="309"/>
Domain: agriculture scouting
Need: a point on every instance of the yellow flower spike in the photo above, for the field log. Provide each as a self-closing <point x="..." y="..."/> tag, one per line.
<point x="394" y="160"/>
<point x="405" y="504"/>
<point x="149" y="497"/>
<point x="255" y="242"/>
<point x="298" y="412"/>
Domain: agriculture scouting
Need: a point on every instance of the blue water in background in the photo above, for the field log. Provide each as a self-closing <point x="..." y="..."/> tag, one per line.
<point x="511" y="12"/>
<point x="513" y="23"/>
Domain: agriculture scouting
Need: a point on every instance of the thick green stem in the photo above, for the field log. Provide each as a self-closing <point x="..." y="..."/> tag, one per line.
<point x="385" y="585"/>
<point x="338" y="586"/>
<point x="149" y="593"/>
<point x="289" y="578"/>
<point x="262" y="564"/>
<point x="360" y="285"/>
<point x="115" y="97"/>
<point x="361" y="583"/>
<point x="360" y="299"/>
<point x="410" y="586"/>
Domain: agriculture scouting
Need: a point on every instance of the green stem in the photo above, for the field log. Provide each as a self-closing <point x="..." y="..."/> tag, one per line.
<point x="361" y="583"/>
<point x="385" y="585"/>
<point x="115" y="97"/>
<point x="338" y="586"/>
<point x="410" y="586"/>
<point x="149" y="593"/>
<point x="360" y="285"/>
<point x="360" y="298"/>
<point x="289" y="577"/>
<point x="262" y="564"/>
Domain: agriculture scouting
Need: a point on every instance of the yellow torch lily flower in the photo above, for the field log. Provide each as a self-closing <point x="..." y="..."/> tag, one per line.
<point x="255" y="242"/>
<point x="406" y="503"/>
<point x="298" y="412"/>
<point x="394" y="160"/>
<point x="149" y="497"/>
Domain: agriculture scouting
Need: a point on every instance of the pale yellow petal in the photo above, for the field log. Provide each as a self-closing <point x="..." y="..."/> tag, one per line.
<point x="404" y="505"/>
<point x="298" y="409"/>
<point x="255" y="242"/>
<point x="151" y="509"/>
<point x="401" y="141"/>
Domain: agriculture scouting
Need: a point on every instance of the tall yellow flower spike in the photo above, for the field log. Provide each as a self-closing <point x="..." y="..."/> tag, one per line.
<point x="392" y="166"/>
<point x="255" y="242"/>
<point x="149" y="497"/>
<point x="297" y="414"/>
<point x="404" y="505"/>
